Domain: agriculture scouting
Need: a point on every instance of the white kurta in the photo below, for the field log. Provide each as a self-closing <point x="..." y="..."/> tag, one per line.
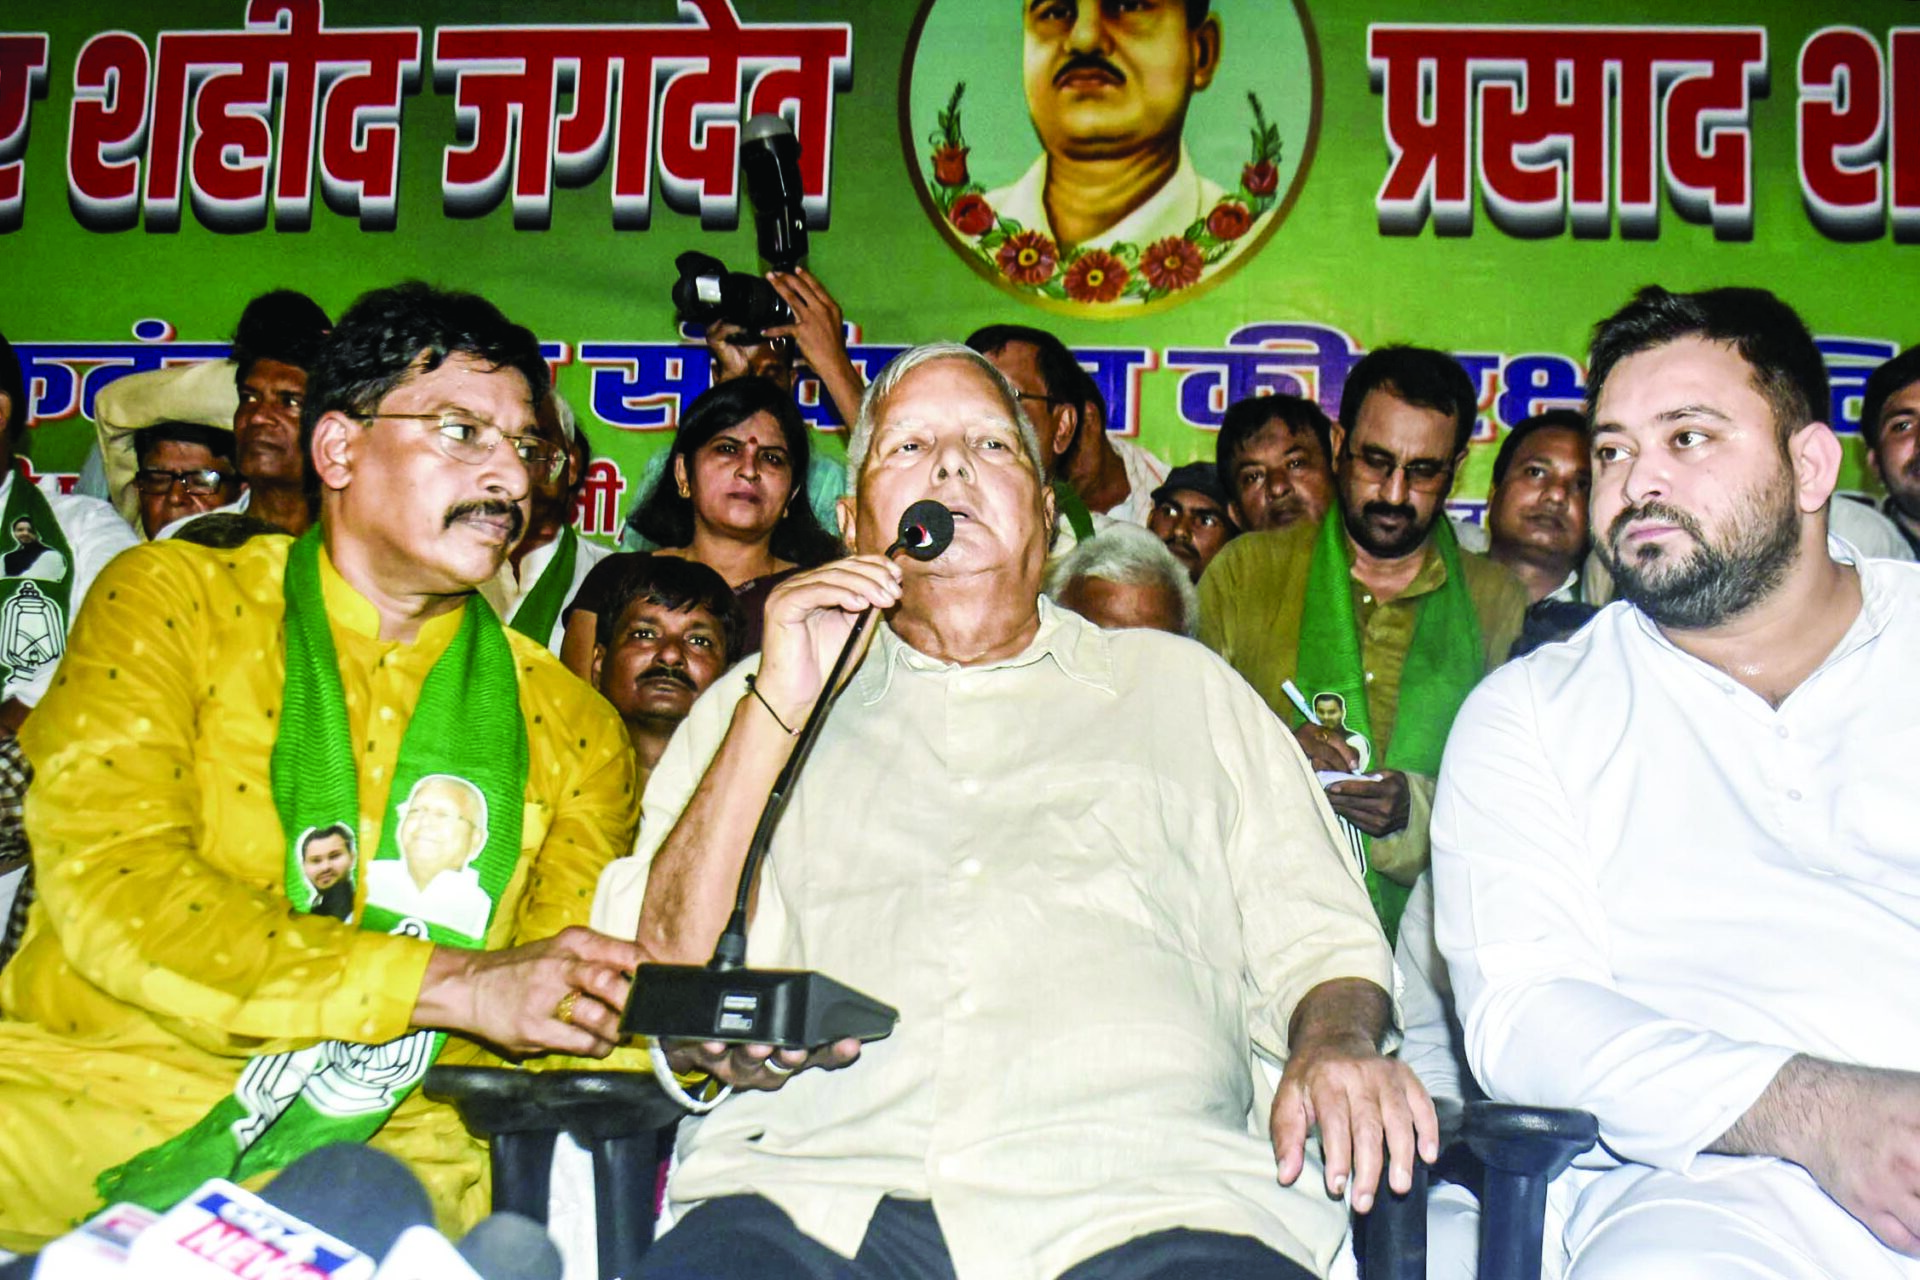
<point x="1654" y="889"/>
<point x="97" y="534"/>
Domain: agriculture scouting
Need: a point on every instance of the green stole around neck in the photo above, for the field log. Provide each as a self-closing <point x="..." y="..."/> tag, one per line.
<point x="540" y="608"/>
<point x="36" y="590"/>
<point x="1444" y="662"/>
<point x="459" y="785"/>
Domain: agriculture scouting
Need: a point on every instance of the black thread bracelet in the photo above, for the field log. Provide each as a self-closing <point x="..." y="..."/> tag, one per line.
<point x="754" y="689"/>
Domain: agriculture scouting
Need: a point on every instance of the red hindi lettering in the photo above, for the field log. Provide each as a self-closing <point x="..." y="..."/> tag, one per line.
<point x="23" y="73"/>
<point x="643" y="96"/>
<point x="106" y="126"/>
<point x="1543" y="130"/>
<point x="1431" y="172"/>
<point x="1841" y="132"/>
<point x="1705" y="142"/>
<point x="1903" y="151"/>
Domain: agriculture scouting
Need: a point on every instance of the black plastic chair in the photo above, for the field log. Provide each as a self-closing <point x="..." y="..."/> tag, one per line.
<point x="626" y="1122"/>
<point x="621" y="1118"/>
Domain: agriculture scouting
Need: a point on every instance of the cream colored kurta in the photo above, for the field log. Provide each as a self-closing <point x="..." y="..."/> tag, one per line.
<point x="162" y="951"/>
<point x="1092" y="878"/>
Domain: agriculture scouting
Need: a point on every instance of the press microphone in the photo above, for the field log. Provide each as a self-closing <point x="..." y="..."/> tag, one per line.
<point x="788" y="1008"/>
<point x="330" y="1215"/>
<point x="770" y="159"/>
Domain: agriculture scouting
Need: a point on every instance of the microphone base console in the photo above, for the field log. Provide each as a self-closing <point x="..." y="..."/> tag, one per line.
<point x="788" y="1008"/>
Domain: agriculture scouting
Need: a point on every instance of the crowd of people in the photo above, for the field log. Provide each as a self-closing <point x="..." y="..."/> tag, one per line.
<point x="1205" y="823"/>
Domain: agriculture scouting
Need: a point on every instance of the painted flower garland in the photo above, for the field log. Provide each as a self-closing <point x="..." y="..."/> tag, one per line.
<point x="1029" y="261"/>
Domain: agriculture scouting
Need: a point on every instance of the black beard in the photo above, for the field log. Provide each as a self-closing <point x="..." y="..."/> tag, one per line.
<point x="1406" y="544"/>
<point x="1713" y="583"/>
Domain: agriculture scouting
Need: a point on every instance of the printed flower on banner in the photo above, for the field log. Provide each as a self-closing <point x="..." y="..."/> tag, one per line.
<point x="1028" y="257"/>
<point x="1172" y="263"/>
<point x="1229" y="220"/>
<point x="971" y="215"/>
<point x="950" y="145"/>
<point x="1030" y="262"/>
<point x="1095" y="276"/>
<point x="1261" y="176"/>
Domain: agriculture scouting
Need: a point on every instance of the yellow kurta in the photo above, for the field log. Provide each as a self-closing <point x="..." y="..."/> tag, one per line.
<point x="163" y="952"/>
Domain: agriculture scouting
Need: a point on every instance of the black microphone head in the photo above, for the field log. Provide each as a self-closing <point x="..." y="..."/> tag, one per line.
<point x="354" y="1193"/>
<point x="926" y="529"/>
<point x="508" y="1246"/>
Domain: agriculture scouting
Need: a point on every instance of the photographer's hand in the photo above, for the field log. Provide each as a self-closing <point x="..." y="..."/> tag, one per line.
<point x="819" y="333"/>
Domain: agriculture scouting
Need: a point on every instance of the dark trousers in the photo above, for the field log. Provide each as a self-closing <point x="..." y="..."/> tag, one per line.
<point x="751" y="1238"/>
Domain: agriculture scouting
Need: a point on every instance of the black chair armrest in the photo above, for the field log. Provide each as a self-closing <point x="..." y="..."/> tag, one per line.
<point x="1523" y="1149"/>
<point x="622" y="1118"/>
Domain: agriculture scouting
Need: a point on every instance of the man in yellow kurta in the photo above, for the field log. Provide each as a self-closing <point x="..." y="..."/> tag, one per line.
<point x="173" y="949"/>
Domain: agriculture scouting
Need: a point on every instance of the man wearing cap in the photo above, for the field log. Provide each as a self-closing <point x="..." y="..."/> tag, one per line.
<point x="1190" y="514"/>
<point x="256" y="394"/>
<point x="186" y="470"/>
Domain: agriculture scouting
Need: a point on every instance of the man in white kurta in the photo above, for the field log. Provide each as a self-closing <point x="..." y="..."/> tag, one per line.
<point x="1677" y="858"/>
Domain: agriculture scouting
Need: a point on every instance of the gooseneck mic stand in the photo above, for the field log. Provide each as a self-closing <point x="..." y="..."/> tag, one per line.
<point x="789" y="1008"/>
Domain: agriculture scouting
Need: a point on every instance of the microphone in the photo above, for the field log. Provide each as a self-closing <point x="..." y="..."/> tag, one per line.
<point x="330" y="1215"/>
<point x="770" y="159"/>
<point x="788" y="1008"/>
<point x="358" y="1193"/>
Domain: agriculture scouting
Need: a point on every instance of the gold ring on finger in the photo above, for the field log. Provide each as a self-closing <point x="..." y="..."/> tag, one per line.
<point x="564" y="1010"/>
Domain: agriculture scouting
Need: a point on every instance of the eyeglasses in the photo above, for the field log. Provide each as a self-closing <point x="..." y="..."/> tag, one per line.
<point x="199" y="482"/>
<point x="469" y="440"/>
<point x="1423" y="474"/>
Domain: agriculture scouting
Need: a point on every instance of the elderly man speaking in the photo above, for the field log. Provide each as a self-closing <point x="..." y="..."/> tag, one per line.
<point x="1090" y="868"/>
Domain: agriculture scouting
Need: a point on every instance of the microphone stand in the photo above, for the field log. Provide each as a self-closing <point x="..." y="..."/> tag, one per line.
<point x="792" y="1009"/>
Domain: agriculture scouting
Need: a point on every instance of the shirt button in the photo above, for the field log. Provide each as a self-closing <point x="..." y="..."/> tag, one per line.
<point x="1793" y="795"/>
<point x="969" y="786"/>
<point x="969" y="867"/>
<point x="967" y="1005"/>
<point x="1365" y="599"/>
<point x="1780" y="731"/>
<point x="1369" y="677"/>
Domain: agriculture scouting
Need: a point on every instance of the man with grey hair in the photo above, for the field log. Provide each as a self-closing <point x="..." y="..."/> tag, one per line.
<point x="1125" y="577"/>
<point x="1095" y="876"/>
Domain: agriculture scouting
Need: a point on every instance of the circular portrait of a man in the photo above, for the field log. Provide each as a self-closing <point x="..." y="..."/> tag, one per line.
<point x="1103" y="155"/>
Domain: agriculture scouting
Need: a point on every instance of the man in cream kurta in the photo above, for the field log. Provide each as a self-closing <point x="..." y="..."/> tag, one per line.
<point x="164" y="952"/>
<point x="1092" y="871"/>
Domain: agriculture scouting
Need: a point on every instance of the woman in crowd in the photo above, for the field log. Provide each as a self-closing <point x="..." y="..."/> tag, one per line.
<point x="732" y="496"/>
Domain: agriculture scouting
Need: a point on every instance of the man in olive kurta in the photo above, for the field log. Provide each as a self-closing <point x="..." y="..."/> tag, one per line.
<point x="174" y="945"/>
<point x="1405" y="418"/>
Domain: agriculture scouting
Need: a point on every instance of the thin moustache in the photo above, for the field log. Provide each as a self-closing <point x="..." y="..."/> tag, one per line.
<point x="515" y="521"/>
<point x="1087" y="62"/>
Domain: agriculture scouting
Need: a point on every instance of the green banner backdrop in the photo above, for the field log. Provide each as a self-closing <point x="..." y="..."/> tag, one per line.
<point x="1348" y="174"/>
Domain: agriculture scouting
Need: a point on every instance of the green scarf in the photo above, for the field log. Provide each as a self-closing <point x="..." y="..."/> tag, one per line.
<point x="35" y="598"/>
<point x="540" y="608"/>
<point x="1444" y="662"/>
<point x="1069" y="506"/>
<point x="460" y="781"/>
